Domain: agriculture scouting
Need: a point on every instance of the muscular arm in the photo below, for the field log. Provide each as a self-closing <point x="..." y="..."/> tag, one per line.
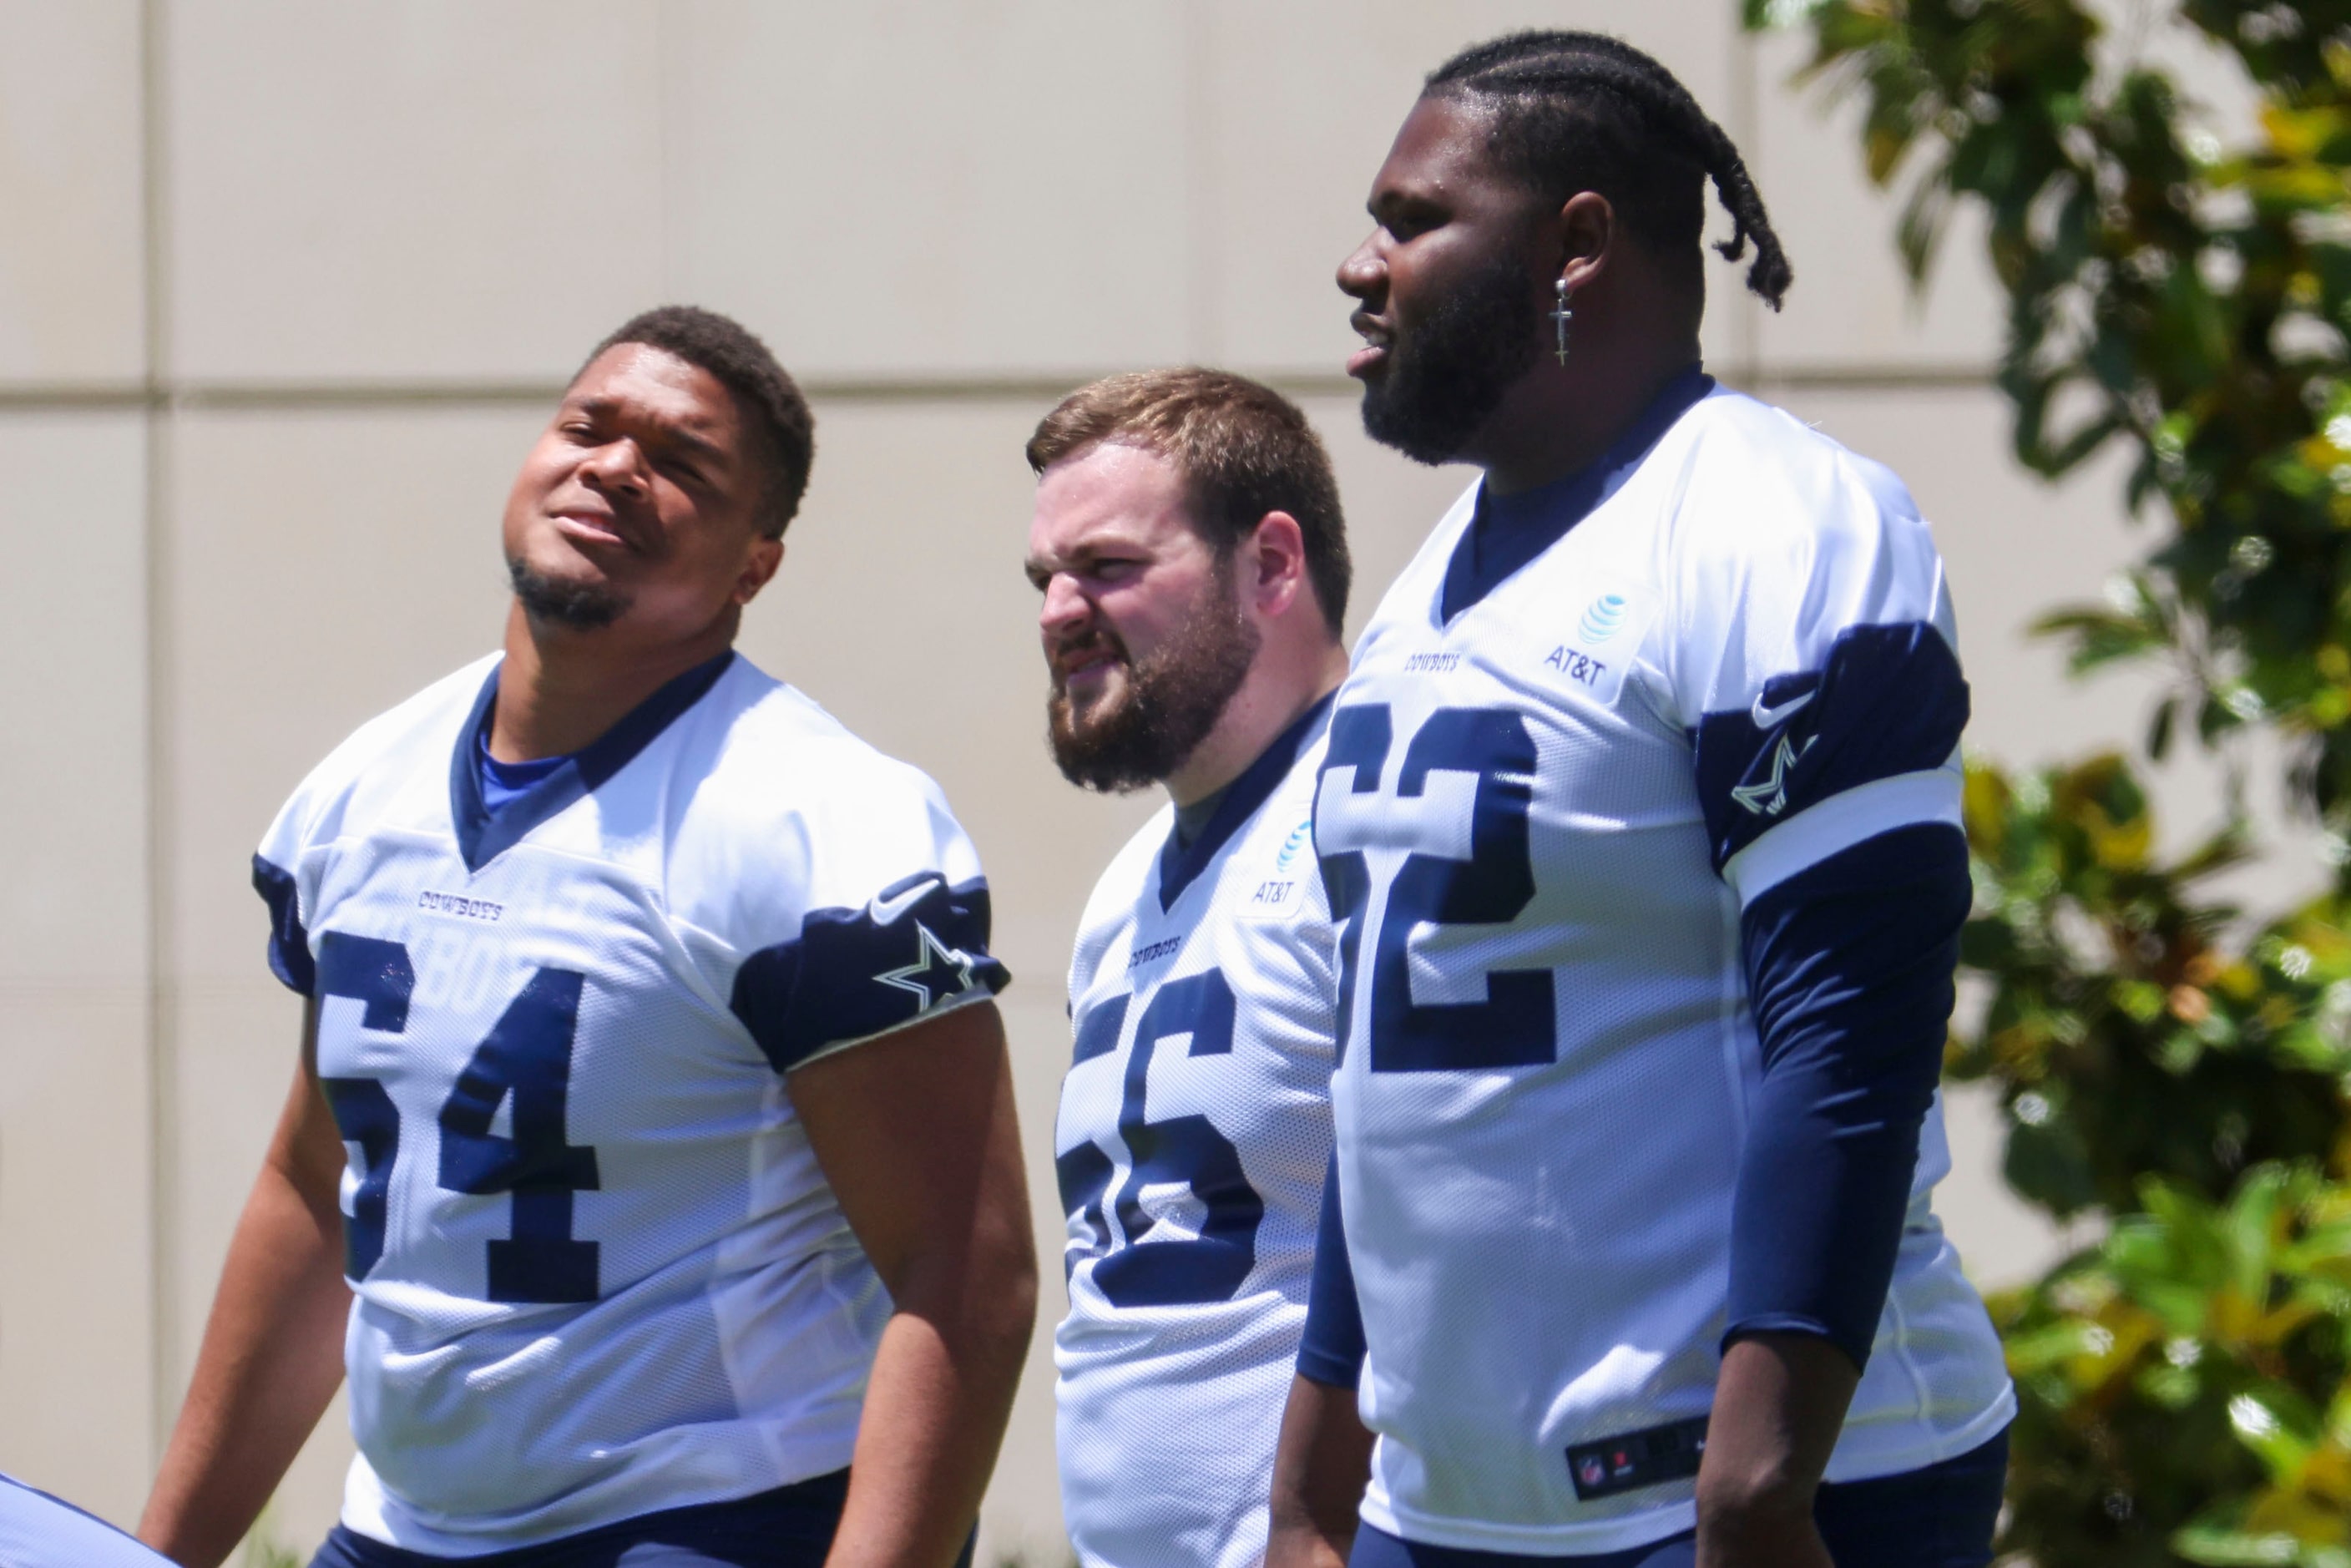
<point x="273" y="1348"/>
<point x="916" y="1135"/>
<point x="1849" y="966"/>
<point x="1319" y="1468"/>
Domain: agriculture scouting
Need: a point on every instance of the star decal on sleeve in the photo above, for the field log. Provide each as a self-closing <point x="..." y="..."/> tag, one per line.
<point x="1770" y="797"/>
<point x="937" y="972"/>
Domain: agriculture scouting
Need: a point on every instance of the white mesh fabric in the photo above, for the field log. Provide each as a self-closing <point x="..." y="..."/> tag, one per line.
<point x="1168" y="1412"/>
<point x="1541" y="1247"/>
<point x="733" y="1316"/>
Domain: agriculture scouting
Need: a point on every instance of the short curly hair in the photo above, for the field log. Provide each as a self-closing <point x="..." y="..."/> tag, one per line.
<point x="775" y="415"/>
<point x="1242" y="448"/>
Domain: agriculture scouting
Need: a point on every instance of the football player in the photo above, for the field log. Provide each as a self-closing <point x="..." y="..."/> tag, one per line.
<point x="1640" y="815"/>
<point x="38" y="1531"/>
<point x="650" y="1157"/>
<point x="1192" y="563"/>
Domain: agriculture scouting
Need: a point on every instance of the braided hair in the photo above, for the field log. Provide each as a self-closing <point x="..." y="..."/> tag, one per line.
<point x="1580" y="112"/>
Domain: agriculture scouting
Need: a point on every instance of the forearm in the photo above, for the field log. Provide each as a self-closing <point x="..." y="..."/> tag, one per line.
<point x="1849" y="971"/>
<point x="935" y="1415"/>
<point x="917" y="1136"/>
<point x="1779" y="1406"/>
<point x="1319" y="1468"/>
<point x="271" y="1359"/>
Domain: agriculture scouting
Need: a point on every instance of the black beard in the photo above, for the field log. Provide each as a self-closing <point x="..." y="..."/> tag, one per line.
<point x="578" y="606"/>
<point x="1447" y="379"/>
<point x="1172" y="700"/>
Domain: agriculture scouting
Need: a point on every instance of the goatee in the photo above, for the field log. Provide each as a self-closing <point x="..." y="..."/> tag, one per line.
<point x="1141" y="733"/>
<point x="578" y="606"/>
<point x="1447" y="379"/>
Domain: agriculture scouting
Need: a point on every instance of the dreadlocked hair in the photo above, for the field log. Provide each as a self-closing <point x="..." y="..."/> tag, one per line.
<point x="1580" y="112"/>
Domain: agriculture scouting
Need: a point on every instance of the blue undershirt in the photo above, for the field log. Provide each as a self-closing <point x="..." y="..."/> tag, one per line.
<point x="503" y="781"/>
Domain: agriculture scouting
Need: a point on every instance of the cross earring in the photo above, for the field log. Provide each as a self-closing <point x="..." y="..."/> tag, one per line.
<point x="1561" y="316"/>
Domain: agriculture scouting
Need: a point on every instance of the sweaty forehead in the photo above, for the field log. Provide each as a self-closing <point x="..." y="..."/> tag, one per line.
<point x="640" y="381"/>
<point x="1439" y="152"/>
<point x="1111" y="493"/>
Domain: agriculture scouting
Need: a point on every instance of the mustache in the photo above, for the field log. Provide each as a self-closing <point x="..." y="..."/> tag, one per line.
<point x="1099" y="640"/>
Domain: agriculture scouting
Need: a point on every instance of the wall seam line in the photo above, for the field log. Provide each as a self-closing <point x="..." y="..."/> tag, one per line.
<point x="156" y="399"/>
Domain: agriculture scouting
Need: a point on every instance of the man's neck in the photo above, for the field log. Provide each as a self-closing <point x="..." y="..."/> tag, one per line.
<point x="1278" y="689"/>
<point x="560" y="690"/>
<point x="1551" y="424"/>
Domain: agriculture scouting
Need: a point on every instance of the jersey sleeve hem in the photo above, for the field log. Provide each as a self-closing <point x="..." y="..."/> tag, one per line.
<point x="289" y="943"/>
<point x="1831" y="826"/>
<point x="983" y="993"/>
<point x="1795" y="1323"/>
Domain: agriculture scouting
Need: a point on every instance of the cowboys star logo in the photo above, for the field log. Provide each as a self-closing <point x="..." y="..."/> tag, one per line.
<point x="937" y="972"/>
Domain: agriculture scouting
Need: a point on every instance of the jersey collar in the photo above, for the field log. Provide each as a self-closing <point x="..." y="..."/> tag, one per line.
<point x="1179" y="865"/>
<point x="1508" y="531"/>
<point x="482" y="838"/>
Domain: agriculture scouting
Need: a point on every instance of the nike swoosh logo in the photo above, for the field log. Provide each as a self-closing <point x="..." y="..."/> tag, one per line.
<point x="883" y="911"/>
<point x="1773" y="718"/>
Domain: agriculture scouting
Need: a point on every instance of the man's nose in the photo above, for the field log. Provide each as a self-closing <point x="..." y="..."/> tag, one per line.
<point x="1065" y="608"/>
<point x="1360" y="274"/>
<point x="615" y="465"/>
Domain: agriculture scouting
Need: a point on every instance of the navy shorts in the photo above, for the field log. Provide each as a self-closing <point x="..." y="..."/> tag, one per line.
<point x="790" y="1527"/>
<point x="1940" y="1516"/>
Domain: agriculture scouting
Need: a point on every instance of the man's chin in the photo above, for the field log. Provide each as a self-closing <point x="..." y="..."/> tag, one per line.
<point x="574" y="599"/>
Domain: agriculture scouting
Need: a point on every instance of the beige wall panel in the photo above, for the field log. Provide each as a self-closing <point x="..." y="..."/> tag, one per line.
<point x="75" y="1304"/>
<point x="71" y="224"/>
<point x="327" y="565"/>
<point x="235" y="1046"/>
<point x="898" y="188"/>
<point x="73" y="682"/>
<point x="76" y="1332"/>
<point x="1299" y="106"/>
<point x="1852" y="306"/>
<point x="436" y="189"/>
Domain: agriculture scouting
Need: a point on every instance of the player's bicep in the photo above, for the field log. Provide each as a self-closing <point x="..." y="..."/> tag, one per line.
<point x="916" y="1135"/>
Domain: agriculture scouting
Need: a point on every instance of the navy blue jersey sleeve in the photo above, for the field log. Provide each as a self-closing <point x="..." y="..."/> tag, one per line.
<point x="1331" y="1349"/>
<point x="1849" y="966"/>
<point x="289" y="944"/>
<point x="917" y="945"/>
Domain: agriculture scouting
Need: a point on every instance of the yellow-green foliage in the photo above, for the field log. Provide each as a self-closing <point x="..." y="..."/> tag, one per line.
<point x="2165" y="1060"/>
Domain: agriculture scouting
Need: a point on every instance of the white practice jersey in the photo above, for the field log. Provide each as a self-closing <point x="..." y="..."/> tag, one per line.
<point x="598" y="1271"/>
<point x="1539" y="821"/>
<point x="38" y="1531"/>
<point x="1194" y="1136"/>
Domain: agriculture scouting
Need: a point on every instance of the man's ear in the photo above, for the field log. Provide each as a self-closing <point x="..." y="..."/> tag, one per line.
<point x="759" y="569"/>
<point x="1587" y="239"/>
<point x="1275" y="553"/>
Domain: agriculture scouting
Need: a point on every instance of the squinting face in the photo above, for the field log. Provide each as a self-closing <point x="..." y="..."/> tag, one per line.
<point x="1143" y="634"/>
<point x="638" y="506"/>
<point x="1448" y="285"/>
